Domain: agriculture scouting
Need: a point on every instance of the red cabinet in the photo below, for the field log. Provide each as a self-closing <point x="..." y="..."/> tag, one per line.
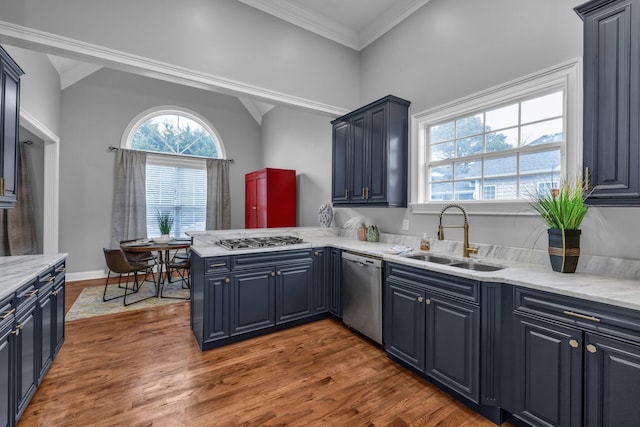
<point x="270" y="198"/>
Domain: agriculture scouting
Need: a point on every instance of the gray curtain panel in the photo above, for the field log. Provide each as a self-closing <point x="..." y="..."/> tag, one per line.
<point x="129" y="218"/>
<point x="17" y="229"/>
<point x="218" y="199"/>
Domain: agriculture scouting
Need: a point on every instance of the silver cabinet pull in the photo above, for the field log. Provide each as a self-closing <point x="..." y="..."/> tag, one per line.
<point x="574" y="343"/>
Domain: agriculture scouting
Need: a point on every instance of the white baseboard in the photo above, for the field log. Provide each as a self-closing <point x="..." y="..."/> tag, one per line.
<point x="86" y="275"/>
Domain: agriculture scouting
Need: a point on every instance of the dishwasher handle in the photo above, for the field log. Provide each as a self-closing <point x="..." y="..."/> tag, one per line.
<point x="362" y="259"/>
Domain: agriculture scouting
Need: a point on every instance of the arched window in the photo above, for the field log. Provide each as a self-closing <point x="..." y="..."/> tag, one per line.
<point x="178" y="142"/>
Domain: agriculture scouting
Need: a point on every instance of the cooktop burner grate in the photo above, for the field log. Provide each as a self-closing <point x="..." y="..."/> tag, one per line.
<point x="259" y="242"/>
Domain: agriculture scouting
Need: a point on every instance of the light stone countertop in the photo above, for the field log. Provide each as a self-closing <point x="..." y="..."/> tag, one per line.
<point x="524" y="268"/>
<point x="15" y="271"/>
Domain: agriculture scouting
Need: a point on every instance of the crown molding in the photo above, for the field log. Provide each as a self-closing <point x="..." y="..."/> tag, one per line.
<point x="318" y="24"/>
<point x="385" y="22"/>
<point x="45" y="42"/>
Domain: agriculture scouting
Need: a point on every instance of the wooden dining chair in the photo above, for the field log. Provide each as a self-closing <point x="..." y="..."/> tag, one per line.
<point x="117" y="263"/>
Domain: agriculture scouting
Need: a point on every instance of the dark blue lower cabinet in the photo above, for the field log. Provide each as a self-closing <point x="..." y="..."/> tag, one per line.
<point x="253" y="300"/>
<point x="6" y="368"/>
<point x="45" y="314"/>
<point x="612" y="382"/>
<point x="404" y="323"/>
<point x="26" y="347"/>
<point x="453" y="345"/>
<point x="335" y="283"/>
<point x="218" y="318"/>
<point x="548" y="373"/>
<point x="58" y="311"/>
<point x="294" y="292"/>
<point x="321" y="280"/>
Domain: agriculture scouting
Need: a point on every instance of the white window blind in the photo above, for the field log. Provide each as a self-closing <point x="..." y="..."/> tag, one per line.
<point x="179" y="187"/>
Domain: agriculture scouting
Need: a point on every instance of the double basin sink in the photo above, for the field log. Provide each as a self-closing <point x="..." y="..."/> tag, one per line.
<point x="452" y="262"/>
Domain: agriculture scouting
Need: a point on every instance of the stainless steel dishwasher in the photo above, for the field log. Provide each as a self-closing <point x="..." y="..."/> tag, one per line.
<point x="362" y="294"/>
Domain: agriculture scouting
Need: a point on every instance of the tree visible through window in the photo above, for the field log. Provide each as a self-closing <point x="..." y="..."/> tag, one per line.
<point x="175" y="184"/>
<point x="174" y="134"/>
<point x="501" y="153"/>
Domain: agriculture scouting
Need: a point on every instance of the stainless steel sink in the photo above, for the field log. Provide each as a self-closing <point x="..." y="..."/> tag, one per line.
<point x="431" y="258"/>
<point x="476" y="266"/>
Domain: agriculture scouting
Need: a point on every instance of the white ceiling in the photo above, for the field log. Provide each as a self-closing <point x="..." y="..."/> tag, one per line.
<point x="353" y="23"/>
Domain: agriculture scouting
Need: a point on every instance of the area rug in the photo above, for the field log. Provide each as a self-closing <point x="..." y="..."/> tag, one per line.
<point x="89" y="303"/>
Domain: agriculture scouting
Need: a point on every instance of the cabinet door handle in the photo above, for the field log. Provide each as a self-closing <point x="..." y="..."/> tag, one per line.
<point x="32" y="293"/>
<point x="17" y="331"/>
<point x="227" y="280"/>
<point x="587" y="178"/>
<point x="7" y="314"/>
<point x="427" y="301"/>
<point x="574" y="343"/>
<point x="223" y="264"/>
<point x="420" y="299"/>
<point x="317" y="253"/>
<point x="51" y="279"/>
<point x="591" y="348"/>
<point x="55" y="293"/>
<point x="346" y="193"/>
<point x="367" y="192"/>
<point x="364" y="193"/>
<point x="581" y="316"/>
<point x="273" y="274"/>
<point x="1" y="186"/>
<point x="279" y="273"/>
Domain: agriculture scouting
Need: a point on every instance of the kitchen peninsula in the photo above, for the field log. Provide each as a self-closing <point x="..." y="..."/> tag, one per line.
<point x="496" y="322"/>
<point x="31" y="327"/>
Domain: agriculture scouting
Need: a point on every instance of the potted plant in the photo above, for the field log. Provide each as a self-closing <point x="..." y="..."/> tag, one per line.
<point x="165" y="222"/>
<point x="563" y="209"/>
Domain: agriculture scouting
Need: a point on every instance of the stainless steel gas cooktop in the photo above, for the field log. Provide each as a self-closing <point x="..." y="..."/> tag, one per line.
<point x="259" y="242"/>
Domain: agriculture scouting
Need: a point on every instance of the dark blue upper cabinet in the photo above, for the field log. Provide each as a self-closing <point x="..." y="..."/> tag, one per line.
<point x="370" y="155"/>
<point x="9" y="116"/>
<point x="612" y="100"/>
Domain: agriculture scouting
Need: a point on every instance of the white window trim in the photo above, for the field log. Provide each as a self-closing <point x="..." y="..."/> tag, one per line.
<point x="138" y="120"/>
<point x="567" y="75"/>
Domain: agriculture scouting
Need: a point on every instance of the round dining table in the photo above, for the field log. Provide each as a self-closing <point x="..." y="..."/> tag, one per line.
<point x="164" y="251"/>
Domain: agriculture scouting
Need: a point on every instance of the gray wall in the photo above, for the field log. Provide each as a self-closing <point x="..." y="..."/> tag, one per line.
<point x="96" y="111"/>
<point x="452" y="48"/>
<point x="39" y="87"/>
<point x="300" y="140"/>
<point x="224" y="38"/>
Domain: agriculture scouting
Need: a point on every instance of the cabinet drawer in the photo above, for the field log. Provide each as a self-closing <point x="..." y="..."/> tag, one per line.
<point x="270" y="258"/>
<point x="26" y="295"/>
<point x="216" y="265"/>
<point x="6" y="309"/>
<point x="585" y="314"/>
<point x="445" y="284"/>
<point x="47" y="279"/>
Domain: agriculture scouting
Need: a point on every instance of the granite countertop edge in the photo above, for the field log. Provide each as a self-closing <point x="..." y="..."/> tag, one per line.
<point x="16" y="271"/>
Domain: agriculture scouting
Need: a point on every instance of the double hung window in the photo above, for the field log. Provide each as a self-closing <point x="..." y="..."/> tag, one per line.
<point x="501" y="145"/>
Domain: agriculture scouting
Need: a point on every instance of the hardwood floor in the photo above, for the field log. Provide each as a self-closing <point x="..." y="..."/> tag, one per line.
<point x="144" y="368"/>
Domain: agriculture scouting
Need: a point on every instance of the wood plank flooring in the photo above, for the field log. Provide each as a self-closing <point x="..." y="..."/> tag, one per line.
<point x="144" y="368"/>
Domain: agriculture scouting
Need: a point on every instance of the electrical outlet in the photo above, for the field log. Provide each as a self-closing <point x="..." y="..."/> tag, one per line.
<point x="405" y="224"/>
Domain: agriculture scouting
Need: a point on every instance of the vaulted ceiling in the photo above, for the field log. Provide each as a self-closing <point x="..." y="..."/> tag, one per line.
<point x="352" y="23"/>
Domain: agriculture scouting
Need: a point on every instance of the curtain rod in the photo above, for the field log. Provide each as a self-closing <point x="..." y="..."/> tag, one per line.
<point x="112" y="148"/>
